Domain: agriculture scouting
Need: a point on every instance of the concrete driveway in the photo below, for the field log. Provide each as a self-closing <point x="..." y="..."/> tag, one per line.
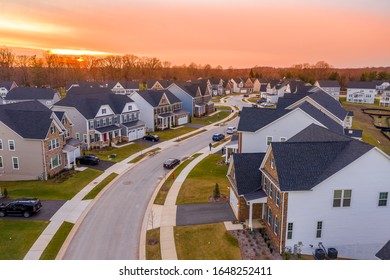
<point x="207" y="213"/>
<point x="49" y="208"/>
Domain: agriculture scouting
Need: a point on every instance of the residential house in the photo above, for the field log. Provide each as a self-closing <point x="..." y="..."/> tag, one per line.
<point x="228" y="87"/>
<point x="237" y="84"/>
<point x="216" y="86"/>
<point x="331" y="87"/>
<point x="194" y="100"/>
<point x="158" y="84"/>
<point x="123" y="87"/>
<point x="35" y="142"/>
<point x="385" y="97"/>
<point x="317" y="194"/>
<point x="100" y="116"/>
<point x="256" y="84"/>
<point x="5" y="87"/>
<point x="361" y="92"/>
<point x="248" y="85"/>
<point x="160" y="109"/>
<point x="381" y="86"/>
<point x="83" y="84"/>
<point x="47" y="96"/>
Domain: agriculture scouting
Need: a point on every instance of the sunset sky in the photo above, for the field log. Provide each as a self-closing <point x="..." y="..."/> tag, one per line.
<point x="244" y="33"/>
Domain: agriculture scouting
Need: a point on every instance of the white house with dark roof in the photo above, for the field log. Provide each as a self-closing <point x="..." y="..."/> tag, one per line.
<point x="123" y="87"/>
<point x="5" y="87"/>
<point x="331" y="87"/>
<point x="160" y="109"/>
<point x="35" y="142"/>
<point x="47" y="96"/>
<point x="361" y="92"/>
<point x="100" y="116"/>
<point x="385" y="97"/>
<point x="317" y="194"/>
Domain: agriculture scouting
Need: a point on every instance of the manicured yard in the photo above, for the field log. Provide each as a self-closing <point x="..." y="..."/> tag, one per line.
<point x="223" y="108"/>
<point x="96" y="190"/>
<point x="371" y="134"/>
<point x="50" y="189"/>
<point x="206" y="242"/>
<point x="200" y="182"/>
<point x="17" y="237"/>
<point x="150" y="152"/>
<point x="162" y="194"/>
<point x="120" y="153"/>
<point x="58" y="239"/>
<point x="189" y="136"/>
<point x="174" y="133"/>
<point x="153" y="250"/>
<point x="211" y="119"/>
<point x="253" y="99"/>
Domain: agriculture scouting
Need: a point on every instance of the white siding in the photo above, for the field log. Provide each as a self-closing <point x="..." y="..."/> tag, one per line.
<point x="146" y="111"/>
<point x="358" y="231"/>
<point x="356" y="95"/>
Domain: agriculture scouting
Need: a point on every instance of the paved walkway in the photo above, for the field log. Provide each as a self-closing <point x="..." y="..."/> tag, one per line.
<point x="74" y="210"/>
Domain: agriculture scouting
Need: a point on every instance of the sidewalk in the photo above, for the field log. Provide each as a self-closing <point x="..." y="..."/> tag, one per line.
<point x="75" y="210"/>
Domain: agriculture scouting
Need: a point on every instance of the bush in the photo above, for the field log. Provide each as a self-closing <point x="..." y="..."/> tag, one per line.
<point x="216" y="192"/>
<point x="286" y="255"/>
<point x="5" y="192"/>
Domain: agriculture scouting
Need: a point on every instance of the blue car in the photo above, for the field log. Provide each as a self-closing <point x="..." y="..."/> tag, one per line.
<point x="218" y="137"/>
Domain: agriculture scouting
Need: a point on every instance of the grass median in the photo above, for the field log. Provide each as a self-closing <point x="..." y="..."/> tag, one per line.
<point x="174" y="133"/>
<point x="148" y="153"/>
<point x="153" y="248"/>
<point x="56" y="242"/>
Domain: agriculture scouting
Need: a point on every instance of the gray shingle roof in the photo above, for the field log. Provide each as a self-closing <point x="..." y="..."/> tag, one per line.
<point x="289" y="99"/>
<point x="253" y="119"/>
<point x="153" y="97"/>
<point x="384" y="252"/>
<point x="329" y="103"/>
<point x="29" y="93"/>
<point x="6" y="84"/>
<point x="30" y="119"/>
<point x="163" y="83"/>
<point x="189" y="88"/>
<point x="314" y="155"/>
<point x="89" y="102"/>
<point x="363" y="85"/>
<point x="248" y="175"/>
<point x="328" y="83"/>
<point x="124" y="84"/>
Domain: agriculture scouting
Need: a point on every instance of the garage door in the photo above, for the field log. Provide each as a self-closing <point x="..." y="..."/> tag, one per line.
<point x="234" y="202"/>
<point x="182" y="120"/>
<point x="132" y="134"/>
<point x="140" y="132"/>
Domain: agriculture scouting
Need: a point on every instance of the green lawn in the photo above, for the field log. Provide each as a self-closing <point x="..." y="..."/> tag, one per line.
<point x="153" y="250"/>
<point x="189" y="136"/>
<point x="96" y="190"/>
<point x="58" y="239"/>
<point x="223" y="108"/>
<point x="253" y="99"/>
<point x="174" y="133"/>
<point x="17" y="237"/>
<point x="150" y="152"/>
<point x="163" y="192"/>
<point x="200" y="182"/>
<point x="121" y="153"/>
<point x="206" y="242"/>
<point x="211" y="119"/>
<point x="49" y="189"/>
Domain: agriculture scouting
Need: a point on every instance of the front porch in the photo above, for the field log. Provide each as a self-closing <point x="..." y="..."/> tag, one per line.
<point x="169" y="120"/>
<point x="103" y="136"/>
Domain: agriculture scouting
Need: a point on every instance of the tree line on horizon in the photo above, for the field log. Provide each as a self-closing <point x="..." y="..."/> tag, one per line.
<point x="56" y="70"/>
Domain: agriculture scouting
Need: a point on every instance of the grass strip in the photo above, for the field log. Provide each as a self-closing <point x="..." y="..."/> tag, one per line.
<point x="96" y="190"/>
<point x="138" y="158"/>
<point x="153" y="248"/>
<point x="56" y="242"/>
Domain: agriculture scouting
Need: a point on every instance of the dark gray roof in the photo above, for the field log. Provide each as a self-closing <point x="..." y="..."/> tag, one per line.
<point x="189" y="88"/>
<point x="356" y="133"/>
<point x="328" y="83"/>
<point x="6" y="84"/>
<point x="163" y="83"/>
<point x="30" y="93"/>
<point x="215" y="81"/>
<point x="384" y="252"/>
<point x="89" y="103"/>
<point x="263" y="88"/>
<point x="255" y="195"/>
<point x="363" y="85"/>
<point x="253" y="119"/>
<point x="83" y="84"/>
<point x="248" y="175"/>
<point x="134" y="124"/>
<point x="321" y="117"/>
<point x="107" y="128"/>
<point x="124" y="84"/>
<point x="351" y="113"/>
<point x="289" y="99"/>
<point x="329" y="103"/>
<point x="153" y="97"/>
<point x="88" y="90"/>
<point x="314" y="155"/>
<point x="30" y="119"/>
<point x="59" y="115"/>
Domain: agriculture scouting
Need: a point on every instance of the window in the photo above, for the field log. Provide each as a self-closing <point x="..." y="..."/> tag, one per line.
<point x="1" y="162"/>
<point x="342" y="198"/>
<point x="269" y="140"/>
<point x="276" y="226"/>
<point x="55" y="161"/>
<point x="271" y="192"/>
<point x="130" y="107"/>
<point x="269" y="216"/>
<point x="109" y="121"/>
<point x="85" y="138"/>
<point x="104" y="111"/>
<point x="283" y="139"/>
<point x="319" y="230"/>
<point x="52" y="129"/>
<point x="104" y="122"/>
<point x="277" y="198"/>
<point x="289" y="230"/>
<point x="272" y="163"/>
<point x="1" y="144"/>
<point x="15" y="163"/>
<point x="383" y="198"/>
<point x="11" y="145"/>
<point x="91" y="124"/>
<point x="78" y="136"/>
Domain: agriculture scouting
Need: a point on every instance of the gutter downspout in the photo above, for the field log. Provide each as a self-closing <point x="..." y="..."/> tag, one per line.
<point x="44" y="161"/>
<point x="281" y="227"/>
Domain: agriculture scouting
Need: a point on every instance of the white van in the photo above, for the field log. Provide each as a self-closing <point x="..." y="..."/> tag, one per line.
<point x="231" y="130"/>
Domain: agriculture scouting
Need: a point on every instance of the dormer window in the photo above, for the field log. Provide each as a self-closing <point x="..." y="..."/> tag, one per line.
<point x="52" y="129"/>
<point x="104" y="111"/>
<point x="130" y="107"/>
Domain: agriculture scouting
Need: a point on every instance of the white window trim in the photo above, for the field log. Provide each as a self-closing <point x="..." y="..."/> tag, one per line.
<point x="13" y="166"/>
<point x="266" y="140"/>
<point x="1" y="162"/>
<point x="9" y="146"/>
<point x="288" y="231"/>
<point x="77" y="135"/>
<point x="285" y="139"/>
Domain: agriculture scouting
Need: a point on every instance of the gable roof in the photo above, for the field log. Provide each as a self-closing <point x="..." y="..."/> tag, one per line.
<point x="312" y="156"/>
<point x="253" y="119"/>
<point x="89" y="102"/>
<point x="189" y="88"/>
<point x="363" y="85"/>
<point x="124" y="84"/>
<point x="30" y="93"/>
<point x="248" y="175"/>
<point x="6" y="84"/>
<point x="153" y="97"/>
<point x="163" y="83"/>
<point x="30" y="119"/>
<point x="84" y="84"/>
<point x="384" y="252"/>
<point x="328" y="83"/>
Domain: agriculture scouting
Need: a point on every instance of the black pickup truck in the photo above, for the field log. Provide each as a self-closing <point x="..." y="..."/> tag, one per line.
<point x="21" y="206"/>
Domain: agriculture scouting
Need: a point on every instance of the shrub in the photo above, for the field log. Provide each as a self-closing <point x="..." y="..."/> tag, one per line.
<point x="216" y="192"/>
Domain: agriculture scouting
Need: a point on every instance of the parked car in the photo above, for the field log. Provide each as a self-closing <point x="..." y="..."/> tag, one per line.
<point x="218" y="137"/>
<point x="171" y="163"/>
<point x="266" y="104"/>
<point x="21" y="206"/>
<point x="88" y="160"/>
<point x="151" y="137"/>
<point x="246" y="95"/>
<point x="231" y="130"/>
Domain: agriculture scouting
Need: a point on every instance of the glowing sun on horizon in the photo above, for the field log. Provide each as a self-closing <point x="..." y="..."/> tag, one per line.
<point x="77" y="52"/>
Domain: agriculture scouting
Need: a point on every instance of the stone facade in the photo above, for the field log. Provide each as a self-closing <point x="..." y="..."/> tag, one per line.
<point x="51" y="150"/>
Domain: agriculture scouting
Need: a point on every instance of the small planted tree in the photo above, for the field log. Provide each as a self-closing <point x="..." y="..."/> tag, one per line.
<point x="216" y="192"/>
<point x="5" y="192"/>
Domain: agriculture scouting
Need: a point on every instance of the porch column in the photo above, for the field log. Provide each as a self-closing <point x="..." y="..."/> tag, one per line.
<point x="250" y="215"/>
<point x="226" y="154"/>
